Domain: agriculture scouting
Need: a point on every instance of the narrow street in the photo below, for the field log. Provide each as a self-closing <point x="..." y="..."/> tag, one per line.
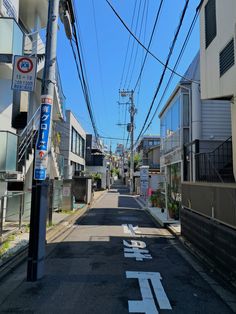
<point x="115" y="260"/>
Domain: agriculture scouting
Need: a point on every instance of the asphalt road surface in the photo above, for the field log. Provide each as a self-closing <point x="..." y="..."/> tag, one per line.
<point x="116" y="260"/>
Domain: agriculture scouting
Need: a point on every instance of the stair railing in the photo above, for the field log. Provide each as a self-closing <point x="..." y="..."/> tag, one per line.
<point x="26" y="136"/>
<point x="209" y="164"/>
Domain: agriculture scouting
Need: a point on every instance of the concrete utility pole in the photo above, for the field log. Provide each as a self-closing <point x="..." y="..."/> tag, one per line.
<point x="39" y="201"/>
<point x="130" y="129"/>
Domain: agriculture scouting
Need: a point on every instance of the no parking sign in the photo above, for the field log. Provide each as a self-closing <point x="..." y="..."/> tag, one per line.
<point x="24" y="73"/>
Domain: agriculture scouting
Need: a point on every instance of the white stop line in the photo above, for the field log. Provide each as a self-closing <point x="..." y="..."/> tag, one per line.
<point x="147" y="305"/>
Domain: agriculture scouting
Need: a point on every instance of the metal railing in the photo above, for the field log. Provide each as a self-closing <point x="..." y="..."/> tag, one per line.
<point x="211" y="166"/>
<point x="26" y="137"/>
<point x="14" y="212"/>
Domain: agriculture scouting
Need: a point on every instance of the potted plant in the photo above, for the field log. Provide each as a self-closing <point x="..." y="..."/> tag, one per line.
<point x="153" y="199"/>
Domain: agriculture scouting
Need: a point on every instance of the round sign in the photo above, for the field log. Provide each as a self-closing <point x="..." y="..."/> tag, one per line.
<point x="24" y="65"/>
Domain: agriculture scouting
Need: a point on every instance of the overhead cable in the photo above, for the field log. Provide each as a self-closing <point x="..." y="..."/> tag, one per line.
<point x="149" y="44"/>
<point x="145" y="48"/>
<point x="166" y="65"/>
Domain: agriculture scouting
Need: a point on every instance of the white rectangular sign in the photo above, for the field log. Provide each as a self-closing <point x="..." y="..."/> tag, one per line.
<point x="24" y="73"/>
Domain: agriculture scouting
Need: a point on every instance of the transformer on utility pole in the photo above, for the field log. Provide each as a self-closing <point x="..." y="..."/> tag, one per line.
<point x="130" y="129"/>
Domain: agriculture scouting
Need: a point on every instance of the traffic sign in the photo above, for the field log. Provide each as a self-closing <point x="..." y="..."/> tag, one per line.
<point x="41" y="153"/>
<point x="24" y="73"/>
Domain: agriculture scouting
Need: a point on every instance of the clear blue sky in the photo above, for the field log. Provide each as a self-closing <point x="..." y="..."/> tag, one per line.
<point x="104" y="49"/>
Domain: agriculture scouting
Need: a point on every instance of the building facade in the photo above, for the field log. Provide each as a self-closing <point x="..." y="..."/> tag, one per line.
<point x="190" y="126"/>
<point x="218" y="67"/>
<point x="20" y="24"/>
<point x="72" y="144"/>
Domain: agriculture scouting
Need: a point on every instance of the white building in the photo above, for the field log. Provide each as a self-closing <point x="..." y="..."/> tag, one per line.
<point x="218" y="68"/>
<point x="72" y="144"/>
<point x="20" y="25"/>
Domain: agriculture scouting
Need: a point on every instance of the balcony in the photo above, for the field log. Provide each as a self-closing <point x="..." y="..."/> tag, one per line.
<point x="12" y="39"/>
<point x="32" y="10"/>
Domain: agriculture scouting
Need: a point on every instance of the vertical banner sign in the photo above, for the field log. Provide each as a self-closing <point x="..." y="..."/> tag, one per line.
<point x="41" y="154"/>
<point x="24" y="73"/>
<point x="144" y="180"/>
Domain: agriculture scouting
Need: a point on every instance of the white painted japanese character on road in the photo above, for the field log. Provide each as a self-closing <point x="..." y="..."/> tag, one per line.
<point x="147" y="304"/>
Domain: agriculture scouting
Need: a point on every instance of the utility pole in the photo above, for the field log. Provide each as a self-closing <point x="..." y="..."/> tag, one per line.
<point x="39" y="200"/>
<point x="130" y="128"/>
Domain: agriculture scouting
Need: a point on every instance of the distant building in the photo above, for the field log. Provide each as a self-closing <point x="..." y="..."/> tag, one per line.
<point x="72" y="144"/>
<point x="96" y="161"/>
<point x="146" y="143"/>
<point x="119" y="149"/>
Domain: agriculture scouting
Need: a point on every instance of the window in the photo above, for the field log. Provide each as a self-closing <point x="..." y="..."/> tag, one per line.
<point x="210" y="21"/>
<point x="227" y="57"/>
<point x="77" y="143"/>
<point x="185" y="110"/>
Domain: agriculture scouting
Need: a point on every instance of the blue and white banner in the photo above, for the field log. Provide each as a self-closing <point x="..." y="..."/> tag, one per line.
<point x="41" y="153"/>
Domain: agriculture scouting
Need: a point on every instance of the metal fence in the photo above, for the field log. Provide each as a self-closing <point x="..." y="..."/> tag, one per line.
<point x="212" y="200"/>
<point x="14" y="212"/>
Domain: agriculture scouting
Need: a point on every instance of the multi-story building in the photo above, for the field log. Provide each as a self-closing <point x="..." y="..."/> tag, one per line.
<point x="72" y="139"/>
<point x="208" y="215"/>
<point x="190" y="126"/>
<point x="20" y="25"/>
<point x="97" y="162"/>
<point x="147" y="142"/>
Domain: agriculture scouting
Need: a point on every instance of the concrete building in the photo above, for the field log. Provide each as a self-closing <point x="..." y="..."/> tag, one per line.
<point x="208" y="215"/>
<point x="97" y="163"/>
<point x="218" y="68"/>
<point x="186" y="119"/>
<point x="147" y="142"/>
<point x="20" y="25"/>
<point x="72" y="144"/>
<point x="190" y="127"/>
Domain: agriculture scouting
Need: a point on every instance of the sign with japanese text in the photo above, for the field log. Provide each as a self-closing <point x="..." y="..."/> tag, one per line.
<point x="24" y="73"/>
<point x="41" y="152"/>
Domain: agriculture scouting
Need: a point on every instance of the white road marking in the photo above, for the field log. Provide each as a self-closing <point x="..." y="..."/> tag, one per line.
<point x="147" y="305"/>
<point x="129" y="229"/>
<point x="136" y="250"/>
<point x="134" y="243"/>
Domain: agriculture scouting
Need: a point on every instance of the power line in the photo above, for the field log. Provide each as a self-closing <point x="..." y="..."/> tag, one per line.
<point x="145" y="48"/>
<point x="149" y="44"/>
<point x="83" y="78"/>
<point x="137" y="46"/>
<point x="175" y="66"/>
<point x="127" y="49"/>
<point x="166" y="65"/>
<point x="132" y="49"/>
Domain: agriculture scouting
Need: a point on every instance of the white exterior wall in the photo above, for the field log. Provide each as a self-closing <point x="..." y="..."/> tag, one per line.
<point x="212" y="85"/>
<point x="6" y="99"/>
<point x="65" y="128"/>
<point x="73" y="122"/>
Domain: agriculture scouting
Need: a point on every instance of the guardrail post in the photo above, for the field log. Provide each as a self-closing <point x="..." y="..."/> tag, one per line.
<point x="21" y="210"/>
